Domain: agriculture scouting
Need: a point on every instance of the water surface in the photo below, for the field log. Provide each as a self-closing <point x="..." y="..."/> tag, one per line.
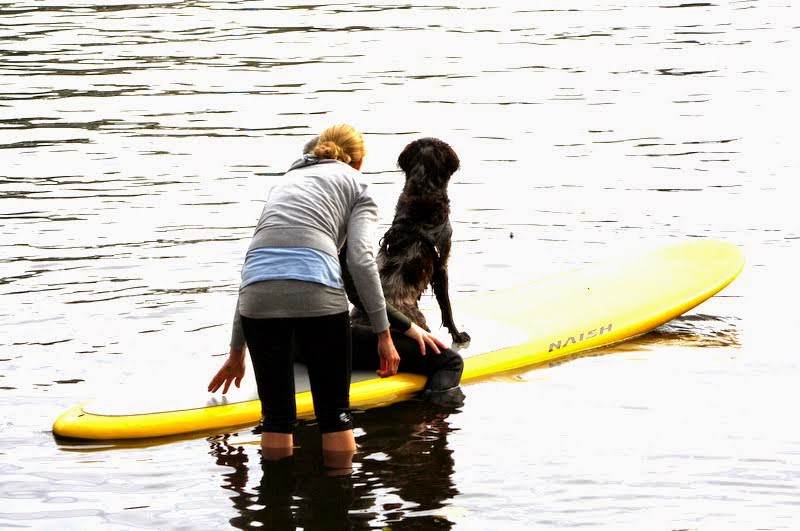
<point x="137" y="139"/>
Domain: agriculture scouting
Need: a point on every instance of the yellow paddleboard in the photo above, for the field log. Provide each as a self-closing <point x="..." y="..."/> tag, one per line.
<point x="544" y="321"/>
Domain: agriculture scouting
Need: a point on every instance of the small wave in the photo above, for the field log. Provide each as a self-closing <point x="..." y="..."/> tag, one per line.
<point x="699" y="330"/>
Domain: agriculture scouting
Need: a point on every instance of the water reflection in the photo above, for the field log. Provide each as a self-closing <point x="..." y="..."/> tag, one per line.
<point x="402" y="476"/>
<point x="699" y="330"/>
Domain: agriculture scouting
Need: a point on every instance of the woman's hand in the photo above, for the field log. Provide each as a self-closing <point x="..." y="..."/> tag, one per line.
<point x="232" y="371"/>
<point x="390" y="359"/>
<point x="423" y="337"/>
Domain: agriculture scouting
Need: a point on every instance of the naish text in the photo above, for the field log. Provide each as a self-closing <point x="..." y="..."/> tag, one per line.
<point x="583" y="336"/>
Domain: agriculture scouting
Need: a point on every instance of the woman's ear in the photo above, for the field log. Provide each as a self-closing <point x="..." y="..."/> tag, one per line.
<point x="357" y="165"/>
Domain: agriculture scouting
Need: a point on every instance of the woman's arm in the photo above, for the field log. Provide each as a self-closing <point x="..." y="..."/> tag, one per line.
<point x="232" y="371"/>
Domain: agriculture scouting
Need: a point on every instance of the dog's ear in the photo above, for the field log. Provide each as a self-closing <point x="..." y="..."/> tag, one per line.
<point x="444" y="158"/>
<point x="407" y="158"/>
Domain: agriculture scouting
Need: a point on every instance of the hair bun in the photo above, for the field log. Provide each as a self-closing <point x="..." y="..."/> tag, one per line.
<point x="331" y="150"/>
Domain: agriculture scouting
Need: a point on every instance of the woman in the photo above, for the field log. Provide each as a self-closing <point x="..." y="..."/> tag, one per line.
<point x="292" y="294"/>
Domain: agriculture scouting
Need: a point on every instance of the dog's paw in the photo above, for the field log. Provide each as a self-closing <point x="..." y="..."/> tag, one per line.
<point x="461" y="338"/>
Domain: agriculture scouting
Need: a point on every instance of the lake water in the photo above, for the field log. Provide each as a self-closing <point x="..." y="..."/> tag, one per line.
<point x="137" y="139"/>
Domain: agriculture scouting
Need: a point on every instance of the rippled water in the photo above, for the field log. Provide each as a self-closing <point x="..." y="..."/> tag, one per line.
<point x="136" y="140"/>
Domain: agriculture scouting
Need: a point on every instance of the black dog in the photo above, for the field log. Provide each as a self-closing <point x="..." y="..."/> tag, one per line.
<point x="415" y="250"/>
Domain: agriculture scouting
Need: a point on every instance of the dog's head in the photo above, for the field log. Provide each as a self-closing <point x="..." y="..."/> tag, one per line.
<point x="429" y="159"/>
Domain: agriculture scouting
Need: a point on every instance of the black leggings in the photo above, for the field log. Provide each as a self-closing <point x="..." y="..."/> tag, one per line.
<point x="443" y="370"/>
<point x="324" y="345"/>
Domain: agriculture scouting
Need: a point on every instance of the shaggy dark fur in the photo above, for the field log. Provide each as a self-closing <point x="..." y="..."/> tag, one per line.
<point x="414" y="251"/>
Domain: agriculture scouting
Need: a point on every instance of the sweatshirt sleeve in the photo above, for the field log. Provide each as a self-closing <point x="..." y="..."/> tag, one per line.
<point x="237" y="335"/>
<point x="360" y="260"/>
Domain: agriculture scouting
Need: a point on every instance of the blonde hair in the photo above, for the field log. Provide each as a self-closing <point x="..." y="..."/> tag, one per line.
<point x="340" y="142"/>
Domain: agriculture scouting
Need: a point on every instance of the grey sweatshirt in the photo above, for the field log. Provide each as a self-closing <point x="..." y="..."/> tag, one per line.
<point x="319" y="203"/>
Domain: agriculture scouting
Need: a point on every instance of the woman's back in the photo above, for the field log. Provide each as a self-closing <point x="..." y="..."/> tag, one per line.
<point x="311" y="203"/>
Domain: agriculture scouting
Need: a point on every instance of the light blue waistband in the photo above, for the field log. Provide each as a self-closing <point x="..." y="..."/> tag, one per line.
<point x="291" y="263"/>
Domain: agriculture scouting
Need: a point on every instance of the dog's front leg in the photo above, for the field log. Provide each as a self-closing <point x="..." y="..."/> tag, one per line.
<point x="441" y="289"/>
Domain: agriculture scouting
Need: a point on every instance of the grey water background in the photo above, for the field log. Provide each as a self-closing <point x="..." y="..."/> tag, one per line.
<point x="137" y="139"/>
